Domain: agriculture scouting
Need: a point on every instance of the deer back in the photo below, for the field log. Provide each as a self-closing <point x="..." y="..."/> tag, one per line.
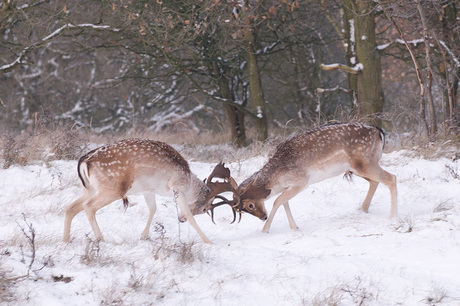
<point x="142" y="165"/>
<point x="321" y="153"/>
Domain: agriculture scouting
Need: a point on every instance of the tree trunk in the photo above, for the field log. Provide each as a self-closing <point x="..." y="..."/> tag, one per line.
<point x="452" y="71"/>
<point x="235" y="117"/>
<point x="350" y="55"/>
<point x="429" y="77"/>
<point x="255" y="88"/>
<point x="359" y="15"/>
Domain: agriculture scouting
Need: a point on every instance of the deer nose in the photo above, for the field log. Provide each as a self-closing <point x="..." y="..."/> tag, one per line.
<point x="263" y="218"/>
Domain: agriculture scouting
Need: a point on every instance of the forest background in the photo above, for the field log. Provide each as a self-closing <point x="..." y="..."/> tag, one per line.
<point x="243" y="69"/>
<point x="227" y="81"/>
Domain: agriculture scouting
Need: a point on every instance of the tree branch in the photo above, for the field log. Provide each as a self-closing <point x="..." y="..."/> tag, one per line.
<point x="218" y="99"/>
<point x="348" y="69"/>
<point x="26" y="50"/>
<point x="417" y="69"/>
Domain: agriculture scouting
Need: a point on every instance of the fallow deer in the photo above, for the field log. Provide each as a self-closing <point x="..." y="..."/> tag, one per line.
<point x="311" y="157"/>
<point x="110" y="172"/>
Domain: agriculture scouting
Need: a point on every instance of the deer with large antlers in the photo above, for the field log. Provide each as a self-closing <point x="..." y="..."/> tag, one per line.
<point x="311" y="157"/>
<point x="110" y="172"/>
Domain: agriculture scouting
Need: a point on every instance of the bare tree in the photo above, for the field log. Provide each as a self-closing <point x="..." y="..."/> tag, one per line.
<point x="432" y="52"/>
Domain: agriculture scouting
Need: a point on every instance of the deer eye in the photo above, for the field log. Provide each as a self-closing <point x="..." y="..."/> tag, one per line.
<point x="251" y="206"/>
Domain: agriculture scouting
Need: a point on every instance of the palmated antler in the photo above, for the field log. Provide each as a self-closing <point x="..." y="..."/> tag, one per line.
<point x="228" y="185"/>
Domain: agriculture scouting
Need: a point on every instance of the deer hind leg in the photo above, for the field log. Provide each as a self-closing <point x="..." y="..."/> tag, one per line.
<point x="375" y="175"/>
<point x="185" y="209"/>
<point x="95" y="203"/>
<point x="71" y="211"/>
<point x="370" y="194"/>
<point x="283" y="199"/>
<point x="152" y="205"/>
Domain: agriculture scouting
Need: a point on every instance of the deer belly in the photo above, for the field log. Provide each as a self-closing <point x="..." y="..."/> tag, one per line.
<point x="327" y="171"/>
<point x="151" y="184"/>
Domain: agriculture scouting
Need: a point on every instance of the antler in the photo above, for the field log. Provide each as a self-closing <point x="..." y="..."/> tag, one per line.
<point x="229" y="184"/>
<point x="225" y="201"/>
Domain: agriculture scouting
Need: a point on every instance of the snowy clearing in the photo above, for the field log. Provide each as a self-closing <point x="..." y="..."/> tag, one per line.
<point x="340" y="255"/>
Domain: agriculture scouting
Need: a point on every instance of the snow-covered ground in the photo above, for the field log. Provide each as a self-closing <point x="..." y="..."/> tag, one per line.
<point x="339" y="255"/>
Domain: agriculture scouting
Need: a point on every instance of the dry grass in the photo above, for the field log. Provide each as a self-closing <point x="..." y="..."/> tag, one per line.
<point x="183" y="252"/>
<point x="24" y="148"/>
<point x="355" y="292"/>
<point x="46" y="143"/>
<point x="6" y="283"/>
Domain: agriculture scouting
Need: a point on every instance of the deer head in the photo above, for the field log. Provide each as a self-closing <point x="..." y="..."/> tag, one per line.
<point x="244" y="199"/>
<point x="252" y="198"/>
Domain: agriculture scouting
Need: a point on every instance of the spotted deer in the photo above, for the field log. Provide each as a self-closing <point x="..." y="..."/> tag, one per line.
<point x="311" y="157"/>
<point x="110" y="172"/>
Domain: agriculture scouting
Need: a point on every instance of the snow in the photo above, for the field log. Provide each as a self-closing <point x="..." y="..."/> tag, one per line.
<point x="352" y="33"/>
<point x="260" y="113"/>
<point x="339" y="255"/>
<point x="358" y="67"/>
<point x="383" y="46"/>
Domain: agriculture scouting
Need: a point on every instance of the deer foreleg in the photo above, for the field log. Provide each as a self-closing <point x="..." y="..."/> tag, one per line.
<point x="151" y="204"/>
<point x="283" y="199"/>
<point x="185" y="209"/>
<point x="292" y="224"/>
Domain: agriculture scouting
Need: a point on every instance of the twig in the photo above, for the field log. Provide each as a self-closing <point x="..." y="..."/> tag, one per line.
<point x="453" y="173"/>
<point x="31" y="238"/>
<point x="176" y="196"/>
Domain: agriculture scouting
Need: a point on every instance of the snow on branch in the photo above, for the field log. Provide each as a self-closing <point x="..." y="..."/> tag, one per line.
<point x="268" y="49"/>
<point x="455" y="58"/>
<point x="18" y="60"/>
<point x="353" y="70"/>
<point x="23" y="53"/>
<point x="72" y="26"/>
<point x="416" y="42"/>
<point x="337" y="88"/>
<point x="413" y="42"/>
<point x="171" y="117"/>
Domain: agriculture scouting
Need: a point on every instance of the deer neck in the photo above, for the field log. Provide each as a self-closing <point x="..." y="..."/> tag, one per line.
<point x="262" y="178"/>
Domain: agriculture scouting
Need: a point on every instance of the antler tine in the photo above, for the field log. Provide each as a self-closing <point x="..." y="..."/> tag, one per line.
<point x="224" y="201"/>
